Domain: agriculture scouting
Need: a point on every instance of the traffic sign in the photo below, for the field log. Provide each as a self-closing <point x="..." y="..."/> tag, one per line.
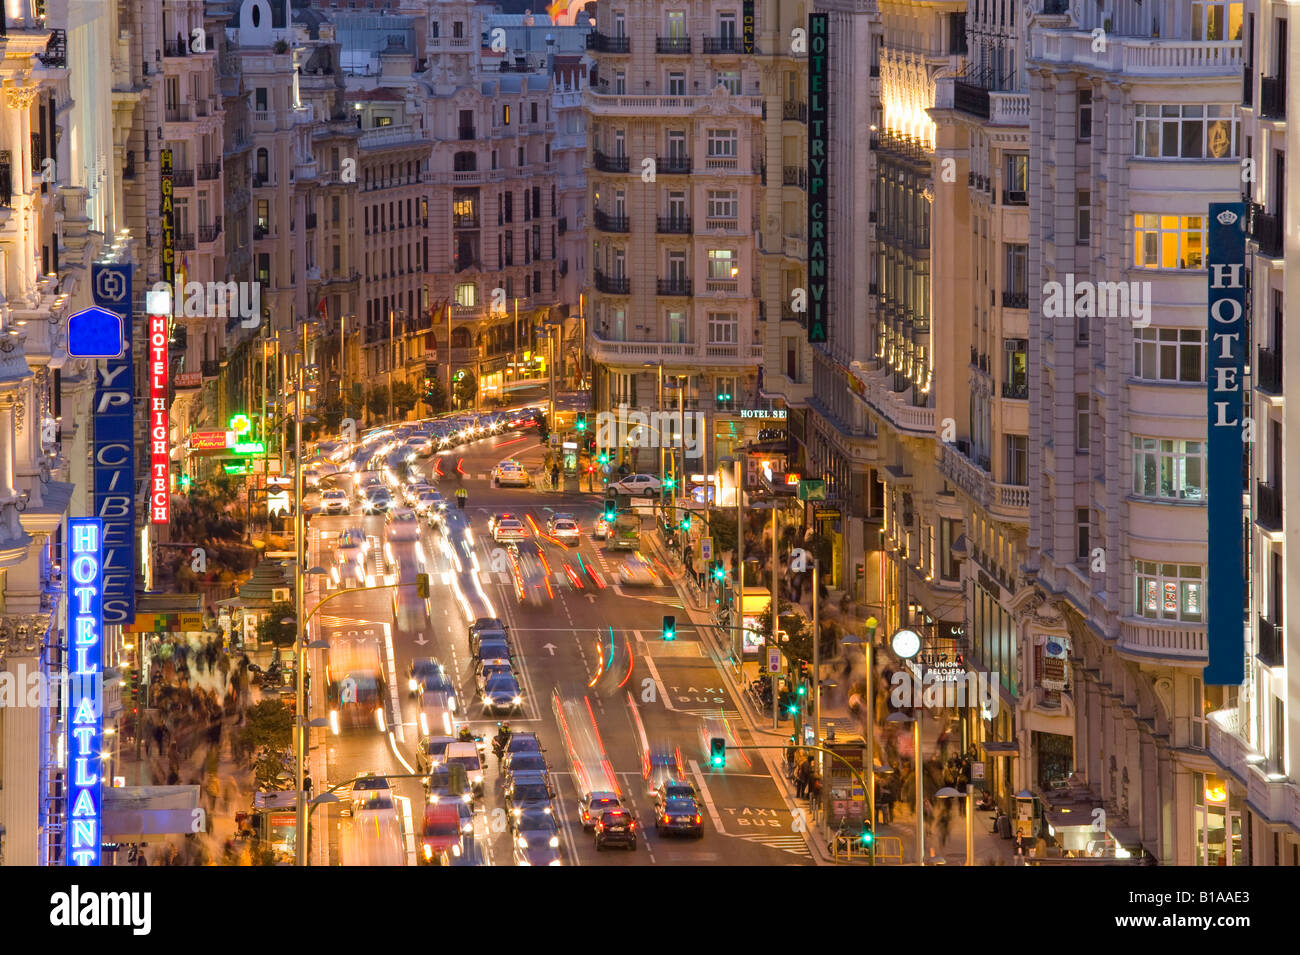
<point x="773" y="660"/>
<point x="706" y="548"/>
<point x="812" y="490"/>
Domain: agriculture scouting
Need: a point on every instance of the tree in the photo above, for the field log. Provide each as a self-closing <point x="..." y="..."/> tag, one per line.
<point x="435" y="396"/>
<point x="272" y="631"/>
<point x="466" y="389"/>
<point x="377" y="402"/>
<point x="404" y="398"/>
<point x="798" y="628"/>
<point x="268" y="725"/>
<point x="722" y="527"/>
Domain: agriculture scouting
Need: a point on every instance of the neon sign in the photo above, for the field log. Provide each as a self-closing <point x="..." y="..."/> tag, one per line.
<point x="159" y="425"/>
<point x="85" y="683"/>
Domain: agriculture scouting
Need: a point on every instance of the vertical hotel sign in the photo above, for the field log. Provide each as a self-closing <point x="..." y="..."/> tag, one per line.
<point x="85" y="717"/>
<point x="747" y="27"/>
<point x="159" y="426"/>
<point x="114" y="424"/>
<point x="817" y="139"/>
<point x="168" y="220"/>
<point x="1226" y="579"/>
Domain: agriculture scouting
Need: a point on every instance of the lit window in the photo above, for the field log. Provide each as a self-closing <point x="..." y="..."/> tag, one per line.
<point x="1168" y="242"/>
<point x="1172" y="469"/>
<point x="1216" y="19"/>
<point x="467" y="294"/>
<point x="1169" y="591"/>
<point x="721" y="264"/>
<point x="1190" y="131"/>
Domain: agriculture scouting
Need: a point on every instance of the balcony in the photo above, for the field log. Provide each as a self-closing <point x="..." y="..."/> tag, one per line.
<point x="465" y="262"/>
<point x="177" y="47"/>
<point x="209" y="233"/>
<point x="730" y="286"/>
<point x="619" y="285"/>
<point x="1008" y="109"/>
<point x="673" y="165"/>
<point x="1018" y="390"/>
<point x="182" y="178"/>
<point x="1015" y="197"/>
<point x="1268" y="506"/>
<point x="673" y="288"/>
<point x="464" y="222"/>
<point x="673" y="225"/>
<point x="721" y="225"/>
<point x="608" y="223"/>
<point x="796" y="111"/>
<point x="466" y="133"/>
<point x="1266" y="230"/>
<point x="1268" y="371"/>
<point x="1248" y="87"/>
<point x="184" y="241"/>
<point x="209" y="170"/>
<point x="1147" y="639"/>
<point x="794" y="176"/>
<point x="722" y="44"/>
<point x="262" y="182"/>
<point x="1015" y="299"/>
<point x="600" y="43"/>
<point x="1272" y="643"/>
<point x="177" y="113"/>
<point x="1272" y="97"/>
<point x="972" y="99"/>
<point x="55" y="56"/>
<point x="210" y="369"/>
<point x="721" y="162"/>
<point x="619" y="104"/>
<point x="609" y="163"/>
<point x="673" y="44"/>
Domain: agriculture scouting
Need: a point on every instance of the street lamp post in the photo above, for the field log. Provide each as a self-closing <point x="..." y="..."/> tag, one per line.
<point x="776" y="616"/>
<point x="740" y="558"/>
<point x="915" y="720"/>
<point x="391" y="330"/>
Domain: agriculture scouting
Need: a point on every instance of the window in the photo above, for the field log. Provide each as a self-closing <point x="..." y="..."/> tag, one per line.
<point x="1082" y="423"/>
<point x="458" y="30"/>
<point x="949" y="567"/>
<point x="676" y="84"/>
<point x="722" y="144"/>
<point x="1085" y="115"/>
<point x="1015" y="367"/>
<point x="1216" y="19"/>
<point x="467" y="294"/>
<point x="722" y="328"/>
<point x="464" y="211"/>
<point x="1169" y="591"/>
<point x="677" y="206"/>
<point x="722" y="264"/>
<point x="1173" y="469"/>
<point x="1190" y="131"/>
<point x="1168" y="242"/>
<point x="620" y="83"/>
<point x="677" y="327"/>
<point x="1082" y="217"/>
<point x="1017" y="461"/>
<point x="1083" y="529"/>
<point x="1169" y="354"/>
<point x="676" y="144"/>
<point x="259" y="99"/>
<point x="676" y="24"/>
<point x="1015" y="183"/>
<point x="725" y="392"/>
<point x="723" y="204"/>
<point x="263" y="215"/>
<point x="730" y="79"/>
<point x="1016" y="280"/>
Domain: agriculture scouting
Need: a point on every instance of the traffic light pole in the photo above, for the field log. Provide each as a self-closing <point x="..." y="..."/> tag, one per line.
<point x="776" y="622"/>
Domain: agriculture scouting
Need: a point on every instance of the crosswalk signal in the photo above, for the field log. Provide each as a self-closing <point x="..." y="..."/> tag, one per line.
<point x="581" y="424"/>
<point x="609" y="511"/>
<point x="719" y="573"/>
<point x="686" y="523"/>
<point x="670" y="627"/>
<point x="604" y="457"/>
<point x="866" y="838"/>
<point x="422" y="585"/>
<point x="717" y="752"/>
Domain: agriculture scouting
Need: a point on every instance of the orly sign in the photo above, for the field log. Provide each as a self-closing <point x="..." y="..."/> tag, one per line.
<point x="84" y="714"/>
<point x="159" y="426"/>
<point x="1226" y="580"/>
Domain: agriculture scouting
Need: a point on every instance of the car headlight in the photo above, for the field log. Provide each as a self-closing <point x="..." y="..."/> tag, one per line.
<point x="521" y="842"/>
<point x="555" y="862"/>
<point x="468" y="797"/>
<point x="518" y="700"/>
<point x="555" y="842"/>
<point x="428" y="851"/>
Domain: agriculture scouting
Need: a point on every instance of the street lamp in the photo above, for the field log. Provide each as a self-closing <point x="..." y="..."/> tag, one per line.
<point x="920" y="783"/>
<point x="951" y="792"/>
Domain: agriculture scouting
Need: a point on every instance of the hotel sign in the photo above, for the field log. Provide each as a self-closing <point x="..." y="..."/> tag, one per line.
<point x="818" y="138"/>
<point x="168" y="219"/>
<point x="747" y="26"/>
<point x="1226" y="579"/>
<point x="159" y="425"/>
<point x="85" y="717"/>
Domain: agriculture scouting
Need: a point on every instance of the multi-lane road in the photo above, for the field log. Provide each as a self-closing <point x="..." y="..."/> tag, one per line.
<point x="580" y="635"/>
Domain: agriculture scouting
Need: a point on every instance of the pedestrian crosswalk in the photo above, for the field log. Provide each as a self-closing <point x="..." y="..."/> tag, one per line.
<point x="794" y="844"/>
<point x="504" y="578"/>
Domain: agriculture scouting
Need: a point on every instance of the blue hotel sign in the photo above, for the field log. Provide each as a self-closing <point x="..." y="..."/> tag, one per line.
<point x="85" y="716"/>
<point x="1226" y="578"/>
<point x="114" y="429"/>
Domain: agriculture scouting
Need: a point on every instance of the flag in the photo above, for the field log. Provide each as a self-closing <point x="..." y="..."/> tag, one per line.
<point x="322" y="311"/>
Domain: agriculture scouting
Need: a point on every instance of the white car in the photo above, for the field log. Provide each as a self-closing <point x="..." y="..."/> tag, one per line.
<point x="374" y="790"/>
<point x="564" y="528"/>
<point x="436" y="714"/>
<point x="509" y="530"/>
<point x="637" y="571"/>
<point x="335" y="501"/>
<point x="403" y="525"/>
<point x="349" y="566"/>
<point x="466" y="755"/>
<point x="510" y="474"/>
<point x="638" y="485"/>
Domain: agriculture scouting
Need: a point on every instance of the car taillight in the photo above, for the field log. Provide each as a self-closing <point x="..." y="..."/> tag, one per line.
<point x="698" y="818"/>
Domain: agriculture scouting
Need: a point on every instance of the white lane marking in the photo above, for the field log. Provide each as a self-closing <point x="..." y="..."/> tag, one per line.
<point x="392" y="681"/>
<point x="392" y="743"/>
<point x="654" y="673"/>
<point x="640" y="727"/>
<point x="708" y="798"/>
<point x="410" y="829"/>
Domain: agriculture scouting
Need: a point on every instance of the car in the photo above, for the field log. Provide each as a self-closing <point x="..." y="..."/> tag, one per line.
<point x="616" y="827"/>
<point x="637" y="571"/>
<point x="349" y="566"/>
<point x="600" y="529"/>
<point x="443" y="832"/>
<point x="491" y="669"/>
<point x="437" y="712"/>
<point x="537" y="838"/>
<point x="482" y="624"/>
<point x="564" y="529"/>
<point x="369" y="789"/>
<point x="429" y="504"/>
<point x="411" y="493"/>
<point x="377" y="500"/>
<point x="498" y="518"/>
<point x="675" y="789"/>
<point x="527" y="791"/>
<point x="335" y="501"/>
<point x="662" y="765"/>
<point x="594" y="805"/>
<point x="493" y="647"/>
<point x="353" y="537"/>
<point x="490" y="635"/>
<point x="427" y="675"/>
<point x="509" y="530"/>
<point x="449" y="781"/>
<point x="523" y="743"/>
<point x="402" y="525"/>
<point x="501" y="694"/>
<point x="525" y="763"/>
<point x="510" y="474"/>
<point x="466" y="755"/>
<point x="679" y="814"/>
<point x="432" y="752"/>
<point x="637" y="485"/>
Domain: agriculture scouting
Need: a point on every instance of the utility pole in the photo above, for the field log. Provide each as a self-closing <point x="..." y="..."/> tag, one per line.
<point x="300" y="665"/>
<point x="740" y="559"/>
<point x="776" y="616"/>
<point x="550" y="368"/>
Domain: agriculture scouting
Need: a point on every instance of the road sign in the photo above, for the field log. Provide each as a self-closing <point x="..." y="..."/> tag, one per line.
<point x="773" y="660"/>
<point x="812" y="490"/>
<point x="706" y="548"/>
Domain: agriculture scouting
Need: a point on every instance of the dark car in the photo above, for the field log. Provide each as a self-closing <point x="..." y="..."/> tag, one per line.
<point x="427" y="675"/>
<point x="616" y="827"/>
<point x="679" y="814"/>
<point x="526" y="763"/>
<point x="537" y="838"/>
<point x="501" y="694"/>
<point x="675" y="789"/>
<point x="527" y="791"/>
<point x="432" y="752"/>
<point x="523" y="743"/>
<point x="484" y="626"/>
<point x="489" y="671"/>
<point x="594" y="805"/>
<point x="490" y="649"/>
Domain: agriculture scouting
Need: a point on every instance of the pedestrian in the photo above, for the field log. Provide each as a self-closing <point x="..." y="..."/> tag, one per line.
<point x="306" y="784"/>
<point x="801" y="780"/>
<point x="555" y="476"/>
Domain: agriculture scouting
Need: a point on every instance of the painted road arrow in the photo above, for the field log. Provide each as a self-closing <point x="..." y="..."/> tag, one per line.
<point x="550" y="647"/>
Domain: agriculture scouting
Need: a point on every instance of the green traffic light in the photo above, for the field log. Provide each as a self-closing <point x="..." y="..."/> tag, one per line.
<point x="866" y="838"/>
<point x="792" y="709"/>
<point x="803" y="690"/>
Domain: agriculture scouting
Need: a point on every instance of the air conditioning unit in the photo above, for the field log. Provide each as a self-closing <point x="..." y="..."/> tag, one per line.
<point x="280" y="595"/>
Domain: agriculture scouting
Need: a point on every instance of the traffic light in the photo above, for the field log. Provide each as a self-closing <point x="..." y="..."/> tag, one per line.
<point x="719" y="574"/>
<point x="422" y="585"/>
<point x="669" y="484"/>
<point x="670" y="627"/>
<point x="866" y="838"/>
<point x="581" y="424"/>
<point x="604" y="457"/>
<point x="610" y="511"/>
<point x="717" y="752"/>
<point x="686" y="523"/>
